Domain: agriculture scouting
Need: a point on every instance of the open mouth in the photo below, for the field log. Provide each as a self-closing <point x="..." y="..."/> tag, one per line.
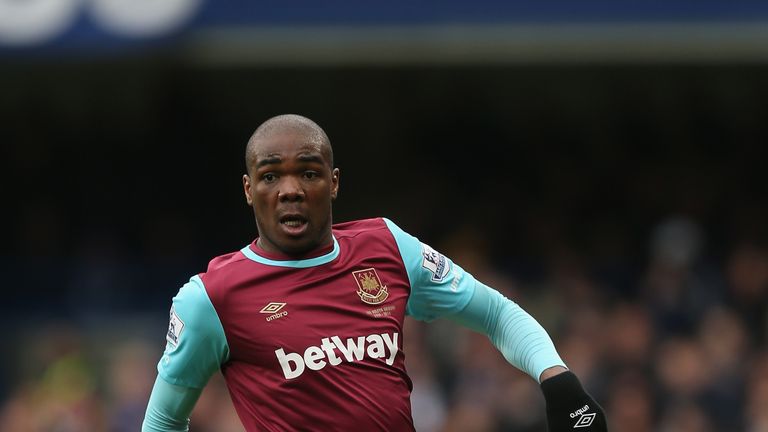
<point x="293" y="223"/>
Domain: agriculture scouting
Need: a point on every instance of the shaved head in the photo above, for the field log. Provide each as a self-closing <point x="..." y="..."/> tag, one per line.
<point x="289" y="123"/>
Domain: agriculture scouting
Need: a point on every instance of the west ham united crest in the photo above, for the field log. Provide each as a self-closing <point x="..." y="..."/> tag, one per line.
<point x="369" y="286"/>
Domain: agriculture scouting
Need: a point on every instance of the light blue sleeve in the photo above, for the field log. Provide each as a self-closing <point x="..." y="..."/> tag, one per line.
<point x="196" y="346"/>
<point x="439" y="287"/>
<point x="169" y="407"/>
<point x="519" y="337"/>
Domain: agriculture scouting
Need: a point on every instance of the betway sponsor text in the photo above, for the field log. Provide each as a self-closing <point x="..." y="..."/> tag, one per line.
<point x="353" y="349"/>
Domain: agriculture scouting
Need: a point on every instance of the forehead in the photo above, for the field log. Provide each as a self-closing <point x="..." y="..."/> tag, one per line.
<point x="285" y="145"/>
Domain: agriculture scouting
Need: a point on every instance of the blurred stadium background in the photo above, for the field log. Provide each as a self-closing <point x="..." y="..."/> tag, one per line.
<point x="601" y="162"/>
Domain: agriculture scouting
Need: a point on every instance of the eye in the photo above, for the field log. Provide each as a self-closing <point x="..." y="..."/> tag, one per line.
<point x="309" y="175"/>
<point x="269" y="177"/>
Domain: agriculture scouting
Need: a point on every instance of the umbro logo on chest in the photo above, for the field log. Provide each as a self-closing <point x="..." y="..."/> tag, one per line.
<point x="275" y="311"/>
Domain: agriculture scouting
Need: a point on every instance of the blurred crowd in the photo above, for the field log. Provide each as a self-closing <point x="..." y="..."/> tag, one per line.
<point x="676" y="345"/>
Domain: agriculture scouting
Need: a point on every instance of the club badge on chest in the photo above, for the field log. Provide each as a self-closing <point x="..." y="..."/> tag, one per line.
<point x="369" y="286"/>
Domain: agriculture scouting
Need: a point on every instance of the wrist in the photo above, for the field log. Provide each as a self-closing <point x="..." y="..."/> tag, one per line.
<point x="563" y="389"/>
<point x="551" y="372"/>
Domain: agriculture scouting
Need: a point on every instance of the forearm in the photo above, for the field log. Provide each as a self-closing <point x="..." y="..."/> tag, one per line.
<point x="526" y="345"/>
<point x="519" y="337"/>
<point x="169" y="407"/>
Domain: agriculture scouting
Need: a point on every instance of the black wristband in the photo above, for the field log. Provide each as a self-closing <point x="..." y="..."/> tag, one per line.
<point x="562" y="390"/>
<point x="569" y="406"/>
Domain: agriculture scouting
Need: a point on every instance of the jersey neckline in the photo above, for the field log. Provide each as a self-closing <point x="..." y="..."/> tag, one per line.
<point x="302" y="263"/>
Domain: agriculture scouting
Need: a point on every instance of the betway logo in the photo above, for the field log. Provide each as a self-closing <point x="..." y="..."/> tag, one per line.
<point x="353" y="349"/>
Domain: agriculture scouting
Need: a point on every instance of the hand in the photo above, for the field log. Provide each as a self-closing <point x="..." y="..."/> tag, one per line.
<point x="569" y="407"/>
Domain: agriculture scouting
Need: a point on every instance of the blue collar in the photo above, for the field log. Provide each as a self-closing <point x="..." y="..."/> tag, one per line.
<point x="310" y="262"/>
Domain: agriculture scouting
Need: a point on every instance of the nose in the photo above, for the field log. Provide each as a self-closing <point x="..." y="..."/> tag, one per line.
<point x="290" y="190"/>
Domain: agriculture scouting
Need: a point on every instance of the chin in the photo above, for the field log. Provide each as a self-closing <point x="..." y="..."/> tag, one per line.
<point x="297" y="246"/>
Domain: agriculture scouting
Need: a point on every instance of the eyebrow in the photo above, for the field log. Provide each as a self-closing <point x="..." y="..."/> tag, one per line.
<point x="311" y="158"/>
<point x="269" y="160"/>
<point x="306" y="158"/>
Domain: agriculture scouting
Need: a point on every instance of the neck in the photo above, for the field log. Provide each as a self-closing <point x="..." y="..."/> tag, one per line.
<point x="269" y="250"/>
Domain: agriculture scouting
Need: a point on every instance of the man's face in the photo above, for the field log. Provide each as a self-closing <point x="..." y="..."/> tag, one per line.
<point x="290" y="185"/>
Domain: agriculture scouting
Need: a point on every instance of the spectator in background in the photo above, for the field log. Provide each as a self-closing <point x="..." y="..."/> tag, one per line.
<point x="62" y="395"/>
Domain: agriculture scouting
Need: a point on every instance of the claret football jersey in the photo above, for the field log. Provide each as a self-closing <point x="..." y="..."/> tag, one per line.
<point x="316" y="343"/>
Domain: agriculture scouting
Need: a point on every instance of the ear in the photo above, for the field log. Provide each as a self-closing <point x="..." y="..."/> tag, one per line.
<point x="335" y="182"/>
<point x="247" y="189"/>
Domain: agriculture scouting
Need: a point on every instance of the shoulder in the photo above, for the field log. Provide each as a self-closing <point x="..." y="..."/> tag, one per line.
<point x="370" y="235"/>
<point x="222" y="262"/>
<point x="192" y="313"/>
<point x="361" y="226"/>
<point x="224" y="271"/>
<point x="356" y="228"/>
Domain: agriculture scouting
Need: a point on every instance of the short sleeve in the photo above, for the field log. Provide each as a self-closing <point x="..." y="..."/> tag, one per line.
<point x="439" y="287"/>
<point x="196" y="345"/>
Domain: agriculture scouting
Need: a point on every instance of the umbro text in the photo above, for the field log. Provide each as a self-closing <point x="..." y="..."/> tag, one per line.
<point x="277" y="315"/>
<point x="580" y="411"/>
